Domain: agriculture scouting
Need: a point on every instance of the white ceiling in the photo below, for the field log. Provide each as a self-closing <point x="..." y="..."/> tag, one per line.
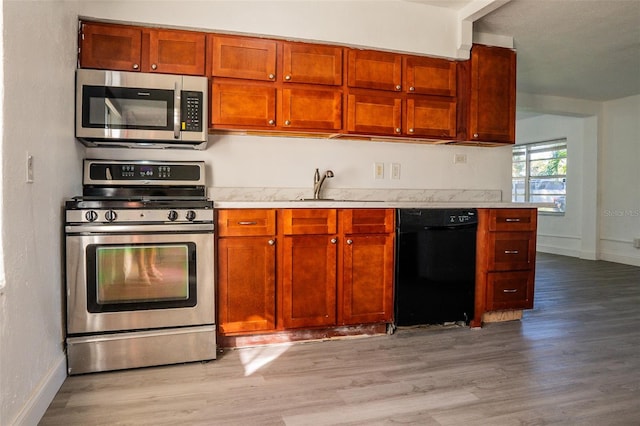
<point x="584" y="49"/>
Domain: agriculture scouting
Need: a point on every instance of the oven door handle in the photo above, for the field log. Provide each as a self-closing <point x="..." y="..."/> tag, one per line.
<point x="137" y="229"/>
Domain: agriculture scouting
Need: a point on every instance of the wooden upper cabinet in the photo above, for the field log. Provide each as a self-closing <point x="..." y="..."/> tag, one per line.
<point x="431" y="117"/>
<point x="429" y="76"/>
<point x="311" y="109"/>
<point x="125" y="48"/>
<point x="244" y="58"/>
<point x="492" y="108"/>
<point x="370" y="69"/>
<point x="113" y="47"/>
<point x="311" y="63"/>
<point x="374" y="114"/>
<point x="243" y="106"/>
<point x="176" y="52"/>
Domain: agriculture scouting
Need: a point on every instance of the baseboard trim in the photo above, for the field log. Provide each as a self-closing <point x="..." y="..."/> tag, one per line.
<point x="42" y="396"/>
<point x="617" y="258"/>
<point x="558" y="250"/>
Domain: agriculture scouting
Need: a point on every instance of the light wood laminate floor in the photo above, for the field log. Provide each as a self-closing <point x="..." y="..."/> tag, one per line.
<point x="574" y="359"/>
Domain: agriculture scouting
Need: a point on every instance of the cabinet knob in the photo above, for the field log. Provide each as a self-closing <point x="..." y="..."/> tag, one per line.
<point x="287" y="77"/>
<point x="410" y="130"/>
<point x="398" y="130"/>
<point x="154" y="67"/>
<point x="271" y="242"/>
<point x="398" y="87"/>
<point x="136" y="66"/>
<point x="287" y="122"/>
<point x="475" y="135"/>
<point x="349" y="242"/>
<point x="272" y="122"/>
<point x="334" y="240"/>
<point x="271" y="76"/>
<point x="412" y="89"/>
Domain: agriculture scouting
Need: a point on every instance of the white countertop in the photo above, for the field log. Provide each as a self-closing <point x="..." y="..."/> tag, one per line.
<point x="274" y="198"/>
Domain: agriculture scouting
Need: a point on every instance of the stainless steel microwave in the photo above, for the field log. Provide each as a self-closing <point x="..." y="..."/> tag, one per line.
<point x="138" y="110"/>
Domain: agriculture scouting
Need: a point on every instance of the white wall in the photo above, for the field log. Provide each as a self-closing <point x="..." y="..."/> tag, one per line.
<point x="568" y="234"/>
<point x="619" y="186"/>
<point x="40" y="57"/>
<point x="39" y="48"/>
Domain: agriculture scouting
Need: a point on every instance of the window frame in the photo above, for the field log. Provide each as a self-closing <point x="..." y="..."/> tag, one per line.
<point x="527" y="149"/>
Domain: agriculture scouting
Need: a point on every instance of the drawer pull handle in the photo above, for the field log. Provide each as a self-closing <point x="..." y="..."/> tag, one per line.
<point x="512" y="219"/>
<point x="247" y="223"/>
<point x="511" y="252"/>
<point x="510" y="290"/>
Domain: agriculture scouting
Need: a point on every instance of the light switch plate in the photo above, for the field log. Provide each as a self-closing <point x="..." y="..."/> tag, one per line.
<point x="378" y="170"/>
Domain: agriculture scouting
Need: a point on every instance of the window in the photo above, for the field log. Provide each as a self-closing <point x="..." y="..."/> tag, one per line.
<point x="539" y="174"/>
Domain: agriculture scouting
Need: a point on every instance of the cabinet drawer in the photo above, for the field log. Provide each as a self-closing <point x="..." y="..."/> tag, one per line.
<point x="368" y="221"/>
<point x="511" y="251"/>
<point x="309" y="221"/>
<point x="241" y="222"/>
<point x="513" y="219"/>
<point x="510" y="290"/>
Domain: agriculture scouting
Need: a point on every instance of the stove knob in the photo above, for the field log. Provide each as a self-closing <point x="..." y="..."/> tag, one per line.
<point x="91" y="215"/>
<point x="191" y="215"/>
<point x="110" y="215"/>
<point x="173" y="215"/>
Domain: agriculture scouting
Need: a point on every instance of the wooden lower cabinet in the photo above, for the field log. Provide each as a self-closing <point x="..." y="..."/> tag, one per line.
<point x="505" y="260"/>
<point x="367" y="279"/>
<point x="246" y="295"/>
<point x="309" y="281"/>
<point x="323" y="268"/>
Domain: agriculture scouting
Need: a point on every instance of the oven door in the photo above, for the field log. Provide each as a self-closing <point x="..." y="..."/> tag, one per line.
<point x="118" y="282"/>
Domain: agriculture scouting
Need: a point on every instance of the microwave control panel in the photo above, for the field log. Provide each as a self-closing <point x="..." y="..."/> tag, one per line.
<point x="191" y="111"/>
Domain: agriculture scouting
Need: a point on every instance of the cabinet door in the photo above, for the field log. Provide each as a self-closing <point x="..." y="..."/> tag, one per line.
<point x="176" y="52"/>
<point x="431" y="117"/>
<point x="244" y="57"/>
<point x="309" y="281"/>
<point x="246" y="284"/>
<point x="493" y="94"/>
<point x="242" y="105"/>
<point x="370" y="114"/>
<point x="371" y="69"/>
<point x="510" y="290"/>
<point x="110" y="47"/>
<point x="430" y="76"/>
<point x="310" y="63"/>
<point x="367" y="279"/>
<point x="311" y="109"/>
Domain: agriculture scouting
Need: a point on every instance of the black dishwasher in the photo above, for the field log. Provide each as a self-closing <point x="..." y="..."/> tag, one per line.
<point x="435" y="266"/>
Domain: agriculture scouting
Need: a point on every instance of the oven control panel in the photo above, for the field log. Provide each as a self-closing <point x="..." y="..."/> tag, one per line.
<point x="101" y="172"/>
<point x="139" y="216"/>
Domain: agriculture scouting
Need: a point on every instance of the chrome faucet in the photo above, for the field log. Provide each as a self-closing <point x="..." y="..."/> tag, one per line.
<point x="317" y="182"/>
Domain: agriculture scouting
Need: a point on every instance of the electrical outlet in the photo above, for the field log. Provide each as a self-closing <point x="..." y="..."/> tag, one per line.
<point x="395" y="170"/>
<point x="378" y="170"/>
<point x="29" y="168"/>
<point x="460" y="158"/>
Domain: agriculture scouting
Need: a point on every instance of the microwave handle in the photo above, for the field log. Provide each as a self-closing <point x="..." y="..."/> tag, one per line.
<point x="176" y="109"/>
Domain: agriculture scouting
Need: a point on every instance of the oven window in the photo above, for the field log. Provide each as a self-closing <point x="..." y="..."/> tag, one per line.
<point x="140" y="276"/>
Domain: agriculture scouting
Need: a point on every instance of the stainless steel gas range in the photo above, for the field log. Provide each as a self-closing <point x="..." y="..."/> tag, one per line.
<point x="139" y="266"/>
